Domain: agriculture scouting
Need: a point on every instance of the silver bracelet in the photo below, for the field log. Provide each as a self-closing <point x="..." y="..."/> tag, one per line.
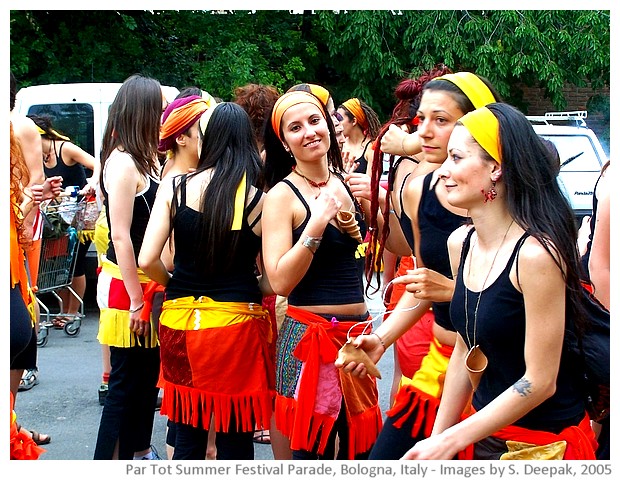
<point x="137" y="309"/>
<point x="312" y="243"/>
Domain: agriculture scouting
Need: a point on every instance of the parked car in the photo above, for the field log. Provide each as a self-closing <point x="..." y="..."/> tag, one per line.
<point x="581" y="155"/>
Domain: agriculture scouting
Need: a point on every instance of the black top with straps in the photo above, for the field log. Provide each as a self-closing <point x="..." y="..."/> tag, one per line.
<point x="142" y="205"/>
<point x="332" y="278"/>
<point x="238" y="283"/>
<point x="436" y="223"/>
<point x="362" y="163"/>
<point x="500" y="332"/>
<point x="71" y="175"/>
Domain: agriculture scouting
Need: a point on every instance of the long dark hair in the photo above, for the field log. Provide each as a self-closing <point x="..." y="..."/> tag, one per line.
<point x="229" y="149"/>
<point x="409" y="93"/>
<point x="133" y="123"/>
<point x="535" y="200"/>
<point x="279" y="163"/>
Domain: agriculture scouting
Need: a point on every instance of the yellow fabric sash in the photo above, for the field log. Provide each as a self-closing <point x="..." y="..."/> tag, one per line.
<point x="188" y="313"/>
<point x="430" y="376"/>
<point x="239" y="204"/>
<point x="114" y="271"/>
<point x="484" y="127"/>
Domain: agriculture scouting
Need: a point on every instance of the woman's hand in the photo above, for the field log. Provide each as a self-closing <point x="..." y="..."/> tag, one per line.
<point x="392" y="141"/>
<point x="138" y="326"/>
<point x="349" y="162"/>
<point x="426" y="284"/>
<point x="436" y="447"/>
<point x="359" y="184"/>
<point x="372" y="345"/>
<point x="324" y="207"/>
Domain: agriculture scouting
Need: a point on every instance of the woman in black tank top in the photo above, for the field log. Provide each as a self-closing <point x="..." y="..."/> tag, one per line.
<point x="444" y="100"/>
<point x="309" y="257"/>
<point x="130" y="173"/>
<point x="517" y="292"/>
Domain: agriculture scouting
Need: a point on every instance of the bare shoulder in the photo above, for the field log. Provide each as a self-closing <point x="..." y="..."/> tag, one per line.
<point x="280" y="192"/>
<point x="456" y="238"/>
<point x="535" y="259"/>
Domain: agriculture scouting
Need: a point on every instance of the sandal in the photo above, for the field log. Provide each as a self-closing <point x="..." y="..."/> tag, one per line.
<point x="40" y="438"/>
<point x="29" y="379"/>
<point x="59" y="322"/>
<point x="262" y="437"/>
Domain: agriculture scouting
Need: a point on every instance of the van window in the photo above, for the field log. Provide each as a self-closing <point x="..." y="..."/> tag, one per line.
<point x="576" y="153"/>
<point x="76" y="120"/>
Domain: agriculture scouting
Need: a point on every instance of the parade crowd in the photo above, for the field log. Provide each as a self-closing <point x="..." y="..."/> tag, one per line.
<point x="237" y="242"/>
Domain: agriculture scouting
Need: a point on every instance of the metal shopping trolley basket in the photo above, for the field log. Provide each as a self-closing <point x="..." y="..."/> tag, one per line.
<point x="63" y="220"/>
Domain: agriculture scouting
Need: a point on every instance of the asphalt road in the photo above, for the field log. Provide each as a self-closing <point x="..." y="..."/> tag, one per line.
<point x="65" y="403"/>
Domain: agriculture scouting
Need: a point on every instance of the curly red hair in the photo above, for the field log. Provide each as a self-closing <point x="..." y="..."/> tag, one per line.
<point x="20" y="176"/>
<point x="257" y="100"/>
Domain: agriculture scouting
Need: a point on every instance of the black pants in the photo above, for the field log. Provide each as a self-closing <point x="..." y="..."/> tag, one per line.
<point x="190" y="443"/>
<point x="22" y="331"/>
<point x="392" y="443"/>
<point x="129" y="409"/>
<point x="340" y="430"/>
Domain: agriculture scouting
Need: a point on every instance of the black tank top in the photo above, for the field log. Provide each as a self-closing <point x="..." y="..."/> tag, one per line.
<point x="71" y="175"/>
<point x="404" y="221"/>
<point x="362" y="163"/>
<point x="585" y="259"/>
<point x="500" y="332"/>
<point x="142" y="205"/>
<point x="237" y="283"/>
<point x="436" y="223"/>
<point x="333" y="277"/>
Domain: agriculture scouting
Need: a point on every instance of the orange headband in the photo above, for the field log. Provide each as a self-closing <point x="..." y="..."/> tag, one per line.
<point x="320" y="92"/>
<point x="471" y="85"/>
<point x="179" y="120"/>
<point x="288" y="100"/>
<point x="484" y="127"/>
<point x="354" y="106"/>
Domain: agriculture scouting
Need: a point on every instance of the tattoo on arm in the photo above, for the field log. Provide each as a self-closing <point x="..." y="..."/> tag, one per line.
<point x="523" y="387"/>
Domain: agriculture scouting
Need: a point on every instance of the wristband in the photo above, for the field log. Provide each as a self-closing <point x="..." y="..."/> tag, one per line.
<point x="137" y="309"/>
<point x="312" y="243"/>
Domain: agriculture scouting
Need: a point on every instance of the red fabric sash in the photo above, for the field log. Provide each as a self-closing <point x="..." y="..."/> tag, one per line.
<point x="580" y="440"/>
<point x="297" y="419"/>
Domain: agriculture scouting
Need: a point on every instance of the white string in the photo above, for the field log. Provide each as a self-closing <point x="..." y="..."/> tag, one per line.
<point x="368" y="323"/>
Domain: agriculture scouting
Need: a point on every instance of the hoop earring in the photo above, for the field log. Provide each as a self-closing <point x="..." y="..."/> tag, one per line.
<point x="490" y="195"/>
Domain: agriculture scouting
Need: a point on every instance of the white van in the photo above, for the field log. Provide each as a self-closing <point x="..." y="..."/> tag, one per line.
<point x="79" y="110"/>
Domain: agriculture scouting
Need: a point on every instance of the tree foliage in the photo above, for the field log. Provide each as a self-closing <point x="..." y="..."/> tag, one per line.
<point x="352" y="53"/>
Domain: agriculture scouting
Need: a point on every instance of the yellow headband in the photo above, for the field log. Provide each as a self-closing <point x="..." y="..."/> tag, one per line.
<point x="484" y="127"/>
<point x="53" y="133"/>
<point x="471" y="85"/>
<point x="286" y="101"/>
<point x="354" y="106"/>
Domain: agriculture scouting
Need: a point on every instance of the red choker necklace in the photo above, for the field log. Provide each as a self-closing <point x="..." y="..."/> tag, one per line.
<point x="312" y="182"/>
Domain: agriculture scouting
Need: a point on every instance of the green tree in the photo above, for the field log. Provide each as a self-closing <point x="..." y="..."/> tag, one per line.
<point x="352" y="53"/>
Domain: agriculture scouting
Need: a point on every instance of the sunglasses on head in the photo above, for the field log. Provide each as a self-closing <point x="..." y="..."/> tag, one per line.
<point x="339" y="117"/>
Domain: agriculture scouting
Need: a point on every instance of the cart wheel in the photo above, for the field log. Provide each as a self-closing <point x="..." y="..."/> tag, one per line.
<point x="72" y="328"/>
<point x="42" y="337"/>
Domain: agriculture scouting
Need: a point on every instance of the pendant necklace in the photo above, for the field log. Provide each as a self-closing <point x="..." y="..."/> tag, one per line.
<point x="475" y="360"/>
<point x="309" y="181"/>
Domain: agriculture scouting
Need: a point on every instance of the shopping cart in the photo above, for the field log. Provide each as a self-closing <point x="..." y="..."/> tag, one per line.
<point x="63" y="221"/>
